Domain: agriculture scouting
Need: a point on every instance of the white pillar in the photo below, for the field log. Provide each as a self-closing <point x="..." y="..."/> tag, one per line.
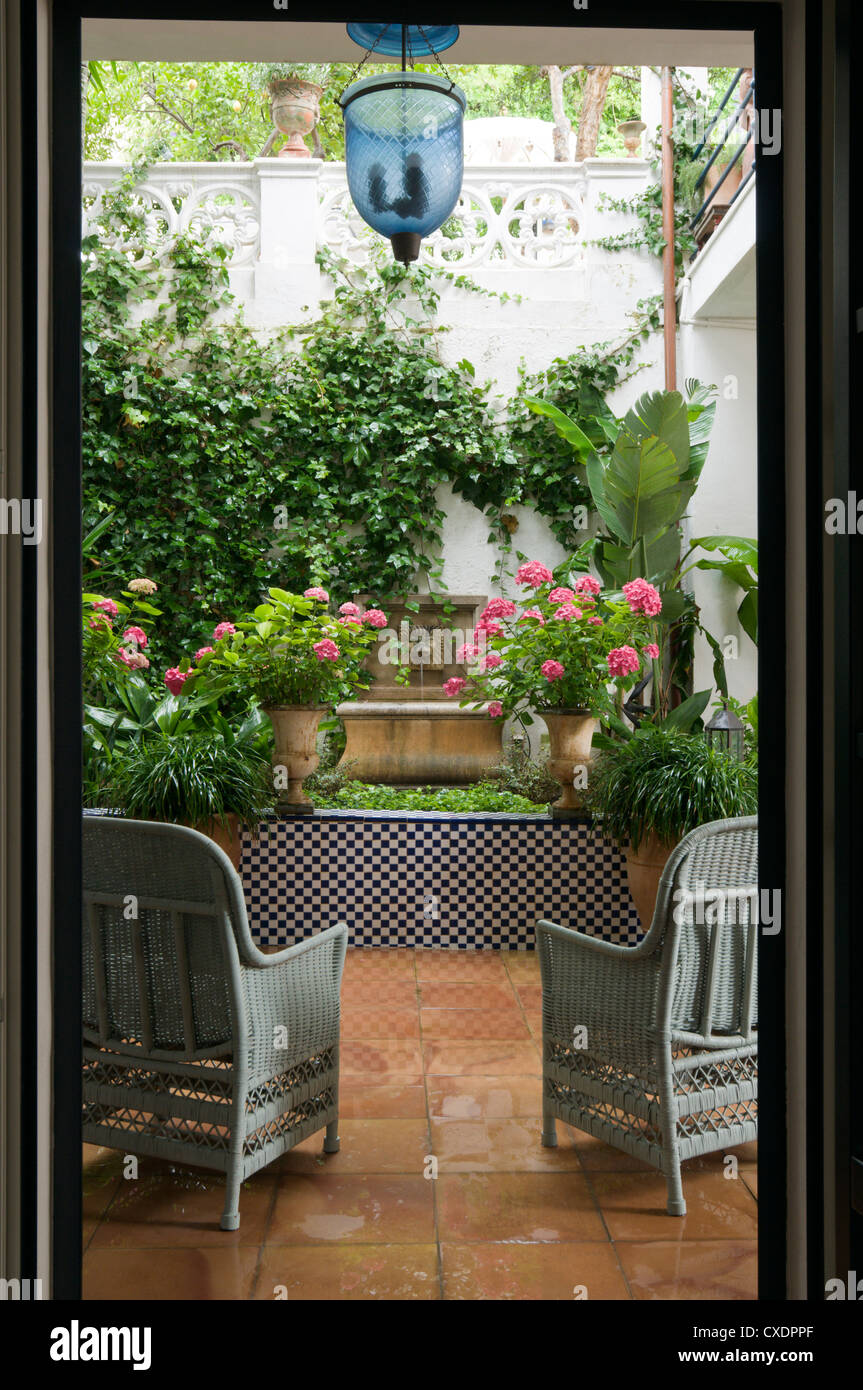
<point x="651" y="109"/>
<point x="286" y="272"/>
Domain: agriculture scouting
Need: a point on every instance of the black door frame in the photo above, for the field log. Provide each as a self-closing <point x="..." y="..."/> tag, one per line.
<point x="765" y="20"/>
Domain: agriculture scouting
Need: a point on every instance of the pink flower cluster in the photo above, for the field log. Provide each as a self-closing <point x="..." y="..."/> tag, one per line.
<point x="135" y="660"/>
<point x="202" y="651"/>
<point x="552" y="670"/>
<point x="454" y="686"/>
<point x="350" y="610"/>
<point x="107" y="606"/>
<point x="498" y="608"/>
<point x="567" y="611"/>
<point x="642" y="598"/>
<point x="495" y="709"/>
<point x="622" y="661"/>
<point x="533" y="574"/>
<point x="135" y="634"/>
<point x="175" y="679"/>
<point x="652" y="651"/>
<point x="320" y="594"/>
<point x="223" y="630"/>
<point x="561" y="596"/>
<point x="375" y="618"/>
<point x="586" y="584"/>
<point x="326" y="650"/>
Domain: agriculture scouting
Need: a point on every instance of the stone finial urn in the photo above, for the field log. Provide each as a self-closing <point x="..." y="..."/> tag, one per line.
<point x="405" y="731"/>
<point x="295" y="732"/>
<point x="295" y="106"/>
<point x="570" y="737"/>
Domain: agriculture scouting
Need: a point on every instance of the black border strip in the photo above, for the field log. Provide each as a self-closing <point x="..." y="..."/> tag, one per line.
<point x="766" y="20"/>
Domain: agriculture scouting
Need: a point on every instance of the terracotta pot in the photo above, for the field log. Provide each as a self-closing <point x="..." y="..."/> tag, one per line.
<point x="227" y="837"/>
<point x="570" y="734"/>
<point x="295" y="757"/>
<point x="644" y="870"/>
<point x="729" y="187"/>
<point x="295" y="106"/>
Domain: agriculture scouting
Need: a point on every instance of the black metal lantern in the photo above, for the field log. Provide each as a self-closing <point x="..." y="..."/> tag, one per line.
<point x="726" y="731"/>
<point x="404" y="143"/>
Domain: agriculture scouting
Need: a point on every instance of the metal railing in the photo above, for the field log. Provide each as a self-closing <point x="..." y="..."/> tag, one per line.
<point x="731" y="125"/>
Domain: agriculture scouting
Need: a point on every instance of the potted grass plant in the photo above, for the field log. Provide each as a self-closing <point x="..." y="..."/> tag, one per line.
<point x="213" y="779"/>
<point x="650" y="790"/>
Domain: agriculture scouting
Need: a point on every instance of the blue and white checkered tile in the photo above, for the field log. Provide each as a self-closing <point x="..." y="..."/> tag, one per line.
<point x="462" y="884"/>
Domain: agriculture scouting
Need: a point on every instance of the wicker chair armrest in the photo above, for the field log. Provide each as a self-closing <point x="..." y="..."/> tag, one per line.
<point x="292" y="1001"/>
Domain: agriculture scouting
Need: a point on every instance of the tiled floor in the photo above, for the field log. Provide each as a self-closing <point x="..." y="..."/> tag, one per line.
<point x="440" y="1068"/>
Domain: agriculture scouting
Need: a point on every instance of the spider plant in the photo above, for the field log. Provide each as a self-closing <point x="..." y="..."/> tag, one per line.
<point x="197" y="777"/>
<point x="666" y="781"/>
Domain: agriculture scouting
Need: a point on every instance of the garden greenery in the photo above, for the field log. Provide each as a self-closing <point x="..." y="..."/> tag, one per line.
<point x="227" y="461"/>
<point x="194" y="777"/>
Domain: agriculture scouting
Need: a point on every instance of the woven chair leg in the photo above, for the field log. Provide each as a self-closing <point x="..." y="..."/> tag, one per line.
<point x="549" y="1129"/>
<point x="676" y="1205"/>
<point x="231" y="1215"/>
<point x="332" y="1143"/>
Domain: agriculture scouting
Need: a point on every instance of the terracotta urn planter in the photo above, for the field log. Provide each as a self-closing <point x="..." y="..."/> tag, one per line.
<point x="295" y="729"/>
<point x="570" y="735"/>
<point x="643" y="870"/>
<point x="226" y="836"/>
<point x="295" y="105"/>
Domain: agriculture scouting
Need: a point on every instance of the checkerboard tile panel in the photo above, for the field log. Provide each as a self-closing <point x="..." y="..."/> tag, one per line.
<point x="460" y="884"/>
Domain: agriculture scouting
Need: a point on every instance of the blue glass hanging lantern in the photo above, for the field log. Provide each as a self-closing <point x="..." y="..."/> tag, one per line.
<point x="404" y="145"/>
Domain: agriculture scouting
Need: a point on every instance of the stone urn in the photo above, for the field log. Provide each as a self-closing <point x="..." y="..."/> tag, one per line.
<point x="295" y="757"/>
<point x="295" y="106"/>
<point x="643" y="870"/>
<point x="570" y="736"/>
<point x="632" y="132"/>
<point x="410" y="743"/>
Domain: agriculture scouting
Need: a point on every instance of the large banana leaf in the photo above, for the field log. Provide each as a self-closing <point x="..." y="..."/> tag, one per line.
<point x="642" y="488"/>
<point x="663" y="415"/>
<point x="572" y="433"/>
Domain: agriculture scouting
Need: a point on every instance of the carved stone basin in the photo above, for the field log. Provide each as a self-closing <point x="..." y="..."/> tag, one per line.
<point x="419" y="742"/>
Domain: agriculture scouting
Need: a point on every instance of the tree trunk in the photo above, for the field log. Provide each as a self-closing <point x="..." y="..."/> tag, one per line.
<point x="595" y="89"/>
<point x="562" y="123"/>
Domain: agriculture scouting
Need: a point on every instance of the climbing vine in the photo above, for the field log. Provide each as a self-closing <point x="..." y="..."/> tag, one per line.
<point x="229" y="460"/>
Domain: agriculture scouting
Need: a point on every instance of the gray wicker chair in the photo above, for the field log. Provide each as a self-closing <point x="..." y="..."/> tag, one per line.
<point x="653" y="1048"/>
<point x="199" y="1048"/>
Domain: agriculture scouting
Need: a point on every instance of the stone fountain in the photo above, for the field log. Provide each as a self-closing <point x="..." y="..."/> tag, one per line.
<point x="411" y="734"/>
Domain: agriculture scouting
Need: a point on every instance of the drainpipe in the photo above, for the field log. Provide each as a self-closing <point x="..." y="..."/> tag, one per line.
<point x="669" y="302"/>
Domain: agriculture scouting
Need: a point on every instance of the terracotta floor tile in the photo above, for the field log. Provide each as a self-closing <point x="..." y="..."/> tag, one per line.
<point x="101" y="1179"/>
<point x="364" y="1021"/>
<point x="381" y="993"/>
<point x="517" y="1207"/>
<point x="170" y="1206"/>
<point x="495" y="1146"/>
<point x="745" y="1153"/>
<point x="367" y="1146"/>
<point x="633" y="1205"/>
<point x="749" y="1175"/>
<point x="530" y="996"/>
<point x="470" y="966"/>
<point x="484" y="1097"/>
<point x="598" y="1157"/>
<point x="359" y="1100"/>
<point x="474" y="1023"/>
<point x="390" y="1058"/>
<point x="348" y="1272"/>
<point x="453" y="1058"/>
<point x="712" y="1270"/>
<point x="170" y="1274"/>
<point x="326" y="1207"/>
<point x="88" y="1227"/>
<point x="379" y="962"/>
<point x="496" y="993"/>
<point x="534" y="1272"/>
<point x="522" y="967"/>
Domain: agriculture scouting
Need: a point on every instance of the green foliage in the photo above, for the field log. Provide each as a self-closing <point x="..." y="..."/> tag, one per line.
<point x="363" y="796"/>
<point x="668" y="782"/>
<point x="230" y="462"/>
<point x="524" y="776"/>
<point x="196" y="776"/>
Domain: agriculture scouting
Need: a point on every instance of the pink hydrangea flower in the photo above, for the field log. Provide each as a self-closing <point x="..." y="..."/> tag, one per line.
<point x="642" y="597"/>
<point x="320" y="594"/>
<point x="493" y="660"/>
<point x="467" y="653"/>
<point x="375" y="617"/>
<point x="622" y="661"/>
<point x="454" y="686"/>
<point x="106" y="605"/>
<point x="223" y="630"/>
<point x="567" y="612"/>
<point x="489" y="626"/>
<point x="533" y="574"/>
<point x="349" y="621"/>
<point x="498" y="608"/>
<point x="561" y="596"/>
<point x="596" y="621"/>
<point x="350" y="610"/>
<point x="495" y="709"/>
<point x="202" y="651"/>
<point x="135" y="634"/>
<point x="135" y="660"/>
<point x="175" y="679"/>
<point x="533" y="613"/>
<point x="652" y="651"/>
<point x="586" y="584"/>
<point x="326" y="650"/>
<point x="552" y="670"/>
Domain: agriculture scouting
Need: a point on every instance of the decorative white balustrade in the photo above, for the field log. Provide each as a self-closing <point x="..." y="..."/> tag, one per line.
<point x="508" y="216"/>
